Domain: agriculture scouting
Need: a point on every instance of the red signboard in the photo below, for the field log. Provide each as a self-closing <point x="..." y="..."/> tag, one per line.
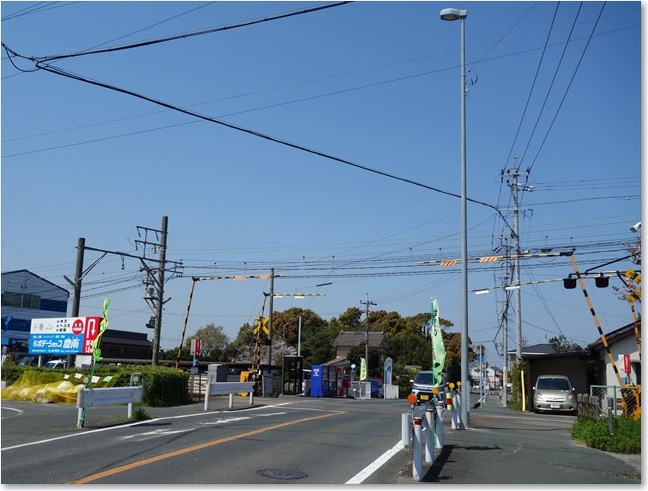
<point x="90" y="332"/>
<point x="195" y="347"/>
<point x="626" y="363"/>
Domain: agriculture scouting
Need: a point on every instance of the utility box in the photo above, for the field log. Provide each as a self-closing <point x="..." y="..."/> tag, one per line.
<point x="217" y="372"/>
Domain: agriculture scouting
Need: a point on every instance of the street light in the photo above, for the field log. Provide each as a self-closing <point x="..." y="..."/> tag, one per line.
<point x="451" y="15"/>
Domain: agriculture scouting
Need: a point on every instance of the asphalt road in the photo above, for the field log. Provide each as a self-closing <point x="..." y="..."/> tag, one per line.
<point x="293" y="440"/>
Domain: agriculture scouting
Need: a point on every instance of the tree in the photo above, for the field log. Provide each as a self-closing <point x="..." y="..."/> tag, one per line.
<point x="349" y="320"/>
<point x="375" y="365"/>
<point x="561" y="345"/>
<point x="213" y="341"/>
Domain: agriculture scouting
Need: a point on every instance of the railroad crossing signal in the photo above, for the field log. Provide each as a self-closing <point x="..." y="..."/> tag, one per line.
<point x="262" y="324"/>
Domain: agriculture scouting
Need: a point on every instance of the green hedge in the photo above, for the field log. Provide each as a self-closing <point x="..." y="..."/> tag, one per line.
<point x="625" y="437"/>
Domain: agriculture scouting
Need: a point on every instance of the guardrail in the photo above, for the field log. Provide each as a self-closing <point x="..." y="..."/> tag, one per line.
<point x="106" y="396"/>
<point x="231" y="388"/>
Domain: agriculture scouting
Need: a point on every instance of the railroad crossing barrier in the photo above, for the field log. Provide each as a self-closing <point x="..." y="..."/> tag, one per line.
<point x="231" y="388"/>
<point x="107" y="396"/>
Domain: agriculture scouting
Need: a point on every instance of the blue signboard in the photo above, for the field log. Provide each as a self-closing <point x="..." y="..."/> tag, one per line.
<point x="56" y="344"/>
<point x="63" y="336"/>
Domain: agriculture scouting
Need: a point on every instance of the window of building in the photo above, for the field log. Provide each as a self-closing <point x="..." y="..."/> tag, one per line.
<point x="21" y="300"/>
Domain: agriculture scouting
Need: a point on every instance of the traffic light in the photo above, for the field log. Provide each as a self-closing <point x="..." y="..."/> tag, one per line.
<point x="602" y="281"/>
<point x="569" y="283"/>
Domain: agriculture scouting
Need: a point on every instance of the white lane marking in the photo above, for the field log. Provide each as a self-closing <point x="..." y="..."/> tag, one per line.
<point x="223" y="421"/>
<point x="113" y="428"/>
<point x="375" y="465"/>
<point x="151" y="434"/>
<point x="19" y="411"/>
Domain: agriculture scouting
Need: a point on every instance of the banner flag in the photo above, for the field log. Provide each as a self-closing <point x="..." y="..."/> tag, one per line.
<point x="363" y="369"/>
<point x="438" y="348"/>
<point x="96" y="352"/>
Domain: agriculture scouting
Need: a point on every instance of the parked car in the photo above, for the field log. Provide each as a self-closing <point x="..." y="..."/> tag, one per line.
<point x="424" y="382"/>
<point x="554" y="393"/>
<point x="376" y="388"/>
<point x="55" y="364"/>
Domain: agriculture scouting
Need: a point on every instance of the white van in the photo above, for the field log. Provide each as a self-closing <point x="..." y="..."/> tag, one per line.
<point x="423" y="384"/>
<point x="55" y="364"/>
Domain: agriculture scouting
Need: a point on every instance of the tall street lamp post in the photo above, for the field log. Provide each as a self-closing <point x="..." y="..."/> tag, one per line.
<point x="451" y="15"/>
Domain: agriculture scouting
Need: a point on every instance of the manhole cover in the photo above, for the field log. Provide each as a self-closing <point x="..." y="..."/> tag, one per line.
<point x="282" y="473"/>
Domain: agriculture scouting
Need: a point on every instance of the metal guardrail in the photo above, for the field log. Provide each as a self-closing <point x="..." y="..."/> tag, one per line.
<point x="107" y="396"/>
<point x="229" y="388"/>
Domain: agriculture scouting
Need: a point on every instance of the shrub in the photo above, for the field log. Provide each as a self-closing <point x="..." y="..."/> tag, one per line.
<point x="625" y="437"/>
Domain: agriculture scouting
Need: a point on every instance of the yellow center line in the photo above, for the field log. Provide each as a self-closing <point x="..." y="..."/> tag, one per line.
<point x="182" y="451"/>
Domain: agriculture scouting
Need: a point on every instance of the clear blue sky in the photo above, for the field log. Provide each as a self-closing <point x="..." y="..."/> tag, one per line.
<point x="367" y="97"/>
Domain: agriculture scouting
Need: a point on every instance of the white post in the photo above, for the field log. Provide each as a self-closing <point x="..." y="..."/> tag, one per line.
<point x="417" y="464"/>
<point x="231" y="400"/>
<point x="405" y="425"/>
<point x="429" y="436"/>
<point x="438" y="441"/>
<point x="130" y="410"/>
<point x="207" y="389"/>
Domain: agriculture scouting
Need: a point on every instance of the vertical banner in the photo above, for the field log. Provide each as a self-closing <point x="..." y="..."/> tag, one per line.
<point x="387" y="374"/>
<point x="438" y="348"/>
<point x="363" y="369"/>
<point x="96" y="352"/>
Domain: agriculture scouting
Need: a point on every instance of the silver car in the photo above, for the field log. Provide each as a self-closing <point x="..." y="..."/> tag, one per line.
<point x="554" y="393"/>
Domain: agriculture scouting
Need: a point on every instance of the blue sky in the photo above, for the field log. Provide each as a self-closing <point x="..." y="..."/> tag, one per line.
<point x="338" y="160"/>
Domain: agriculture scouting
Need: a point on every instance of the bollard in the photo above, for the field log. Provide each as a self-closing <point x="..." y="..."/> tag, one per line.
<point x="438" y="431"/>
<point x="417" y="464"/>
<point x="429" y="435"/>
<point x="405" y="429"/>
<point x="457" y="405"/>
<point x="454" y="415"/>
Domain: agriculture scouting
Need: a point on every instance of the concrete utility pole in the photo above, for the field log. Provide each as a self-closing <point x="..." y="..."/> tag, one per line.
<point x="271" y="307"/>
<point x="78" y="276"/>
<point x="516" y="187"/>
<point x="367" y="304"/>
<point x="160" y="302"/>
<point x="505" y="316"/>
<point x="155" y="297"/>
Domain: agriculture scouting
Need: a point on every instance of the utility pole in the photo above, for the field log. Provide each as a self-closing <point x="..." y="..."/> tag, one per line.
<point x="516" y="187"/>
<point x="505" y="316"/>
<point x="78" y="276"/>
<point x="272" y="275"/>
<point x="367" y="304"/>
<point x="155" y="298"/>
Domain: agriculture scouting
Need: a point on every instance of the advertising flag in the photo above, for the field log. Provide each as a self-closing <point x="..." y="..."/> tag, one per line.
<point x="96" y="352"/>
<point x="363" y="369"/>
<point x="438" y="348"/>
